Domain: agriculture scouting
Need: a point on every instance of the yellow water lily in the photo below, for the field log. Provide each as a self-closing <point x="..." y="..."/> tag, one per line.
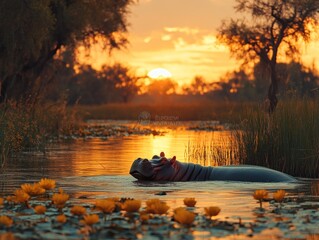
<point x="105" y="205"/>
<point x="190" y="202"/>
<point x="279" y="195"/>
<point x="59" y="199"/>
<point x="156" y="206"/>
<point x="184" y="217"/>
<point x="61" y="218"/>
<point x="78" y="210"/>
<point x="33" y="189"/>
<point x="260" y="195"/>
<point x="212" y="211"/>
<point x="6" y="221"/>
<point x="131" y="205"/>
<point x="21" y="196"/>
<point x="40" y="209"/>
<point x="47" y="184"/>
<point x="1" y="201"/>
<point x="90" y="219"/>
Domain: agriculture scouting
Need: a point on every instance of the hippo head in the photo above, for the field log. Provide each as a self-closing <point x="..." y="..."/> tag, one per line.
<point x="159" y="168"/>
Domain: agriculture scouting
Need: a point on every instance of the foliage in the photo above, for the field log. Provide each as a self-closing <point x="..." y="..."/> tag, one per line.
<point x="286" y="141"/>
<point x="275" y="27"/>
<point x="33" y="32"/>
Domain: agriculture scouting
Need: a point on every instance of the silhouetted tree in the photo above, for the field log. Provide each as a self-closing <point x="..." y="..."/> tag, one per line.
<point x="33" y="32"/>
<point x="125" y="82"/>
<point x="198" y="86"/>
<point x="275" y="25"/>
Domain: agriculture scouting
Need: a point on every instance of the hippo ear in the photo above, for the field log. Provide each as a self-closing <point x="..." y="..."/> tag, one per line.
<point x="162" y="154"/>
<point x="173" y="160"/>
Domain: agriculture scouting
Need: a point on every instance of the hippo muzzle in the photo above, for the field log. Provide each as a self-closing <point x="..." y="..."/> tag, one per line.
<point x="142" y="169"/>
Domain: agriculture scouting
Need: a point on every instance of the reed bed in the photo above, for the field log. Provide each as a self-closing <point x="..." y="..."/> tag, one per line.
<point x="287" y="140"/>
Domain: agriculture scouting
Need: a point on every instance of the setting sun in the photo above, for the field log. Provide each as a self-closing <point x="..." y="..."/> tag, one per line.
<point x="159" y="73"/>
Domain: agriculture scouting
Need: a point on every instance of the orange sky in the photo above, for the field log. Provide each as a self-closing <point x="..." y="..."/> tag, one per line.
<point x="179" y="35"/>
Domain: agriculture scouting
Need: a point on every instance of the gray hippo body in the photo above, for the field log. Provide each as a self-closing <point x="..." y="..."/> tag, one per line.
<point x="163" y="169"/>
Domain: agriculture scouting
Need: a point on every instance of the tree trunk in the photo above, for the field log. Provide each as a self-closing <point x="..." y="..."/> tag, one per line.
<point x="273" y="89"/>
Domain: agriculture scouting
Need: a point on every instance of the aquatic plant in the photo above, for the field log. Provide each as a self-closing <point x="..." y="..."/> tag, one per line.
<point x="61" y="218"/>
<point x="6" y="221"/>
<point x="21" y="196"/>
<point x="78" y="210"/>
<point x="90" y="219"/>
<point x="279" y="195"/>
<point x="156" y="206"/>
<point x="40" y="209"/>
<point x="131" y="205"/>
<point x="33" y="189"/>
<point x="59" y="199"/>
<point x="260" y="195"/>
<point x="183" y="216"/>
<point x="190" y="202"/>
<point x="212" y="211"/>
<point x="105" y="205"/>
<point x="1" y="201"/>
<point x="47" y="184"/>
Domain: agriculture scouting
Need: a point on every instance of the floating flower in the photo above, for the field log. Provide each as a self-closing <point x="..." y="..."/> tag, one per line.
<point x="279" y="195"/>
<point x="78" y="210"/>
<point x="21" y="196"/>
<point x="190" y="202"/>
<point x="144" y="216"/>
<point x="1" y="201"/>
<point x="131" y="205"/>
<point x="90" y="219"/>
<point x="105" y="206"/>
<point x="179" y="209"/>
<point x="5" y="220"/>
<point x="40" y="209"/>
<point x="47" y="184"/>
<point x="61" y="218"/>
<point x="7" y="236"/>
<point x="212" y="211"/>
<point x="156" y="206"/>
<point x="33" y="189"/>
<point x="59" y="199"/>
<point x="260" y="195"/>
<point x="184" y="217"/>
<point x="10" y="199"/>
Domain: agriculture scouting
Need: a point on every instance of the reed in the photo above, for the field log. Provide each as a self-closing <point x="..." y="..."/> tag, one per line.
<point x="287" y="140"/>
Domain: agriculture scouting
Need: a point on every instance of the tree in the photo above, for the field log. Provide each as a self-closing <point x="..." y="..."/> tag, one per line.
<point x="162" y="87"/>
<point x="198" y="86"/>
<point x="277" y="25"/>
<point x="33" y="32"/>
<point x="125" y="82"/>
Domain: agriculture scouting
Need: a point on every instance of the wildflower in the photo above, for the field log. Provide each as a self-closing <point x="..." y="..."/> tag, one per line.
<point x="59" y="199"/>
<point x="260" y="195"/>
<point x="5" y="220"/>
<point x="132" y="205"/>
<point x="78" y="210"/>
<point x="47" y="184"/>
<point x="1" y="201"/>
<point x="279" y="195"/>
<point x="90" y="219"/>
<point x="21" y="196"/>
<point x="40" y="209"/>
<point x="212" y="211"/>
<point x="105" y="206"/>
<point x="61" y="218"/>
<point x="184" y="217"/>
<point x="190" y="202"/>
<point x="33" y="189"/>
<point x="156" y="206"/>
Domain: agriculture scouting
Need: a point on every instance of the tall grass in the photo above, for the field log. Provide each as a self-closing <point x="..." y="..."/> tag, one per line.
<point x="287" y="141"/>
<point x="26" y="127"/>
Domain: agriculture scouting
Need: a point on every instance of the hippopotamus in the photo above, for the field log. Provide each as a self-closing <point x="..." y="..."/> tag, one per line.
<point x="159" y="168"/>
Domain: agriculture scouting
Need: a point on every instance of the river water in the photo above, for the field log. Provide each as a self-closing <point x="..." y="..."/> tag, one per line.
<point x="96" y="168"/>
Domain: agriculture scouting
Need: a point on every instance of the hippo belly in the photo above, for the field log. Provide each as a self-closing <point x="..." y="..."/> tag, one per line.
<point x="248" y="173"/>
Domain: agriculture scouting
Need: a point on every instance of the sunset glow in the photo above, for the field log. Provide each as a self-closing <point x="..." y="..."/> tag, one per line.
<point x="159" y="73"/>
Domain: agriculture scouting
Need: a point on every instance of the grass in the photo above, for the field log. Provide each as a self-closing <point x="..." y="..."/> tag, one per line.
<point x="30" y="128"/>
<point x="287" y="141"/>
